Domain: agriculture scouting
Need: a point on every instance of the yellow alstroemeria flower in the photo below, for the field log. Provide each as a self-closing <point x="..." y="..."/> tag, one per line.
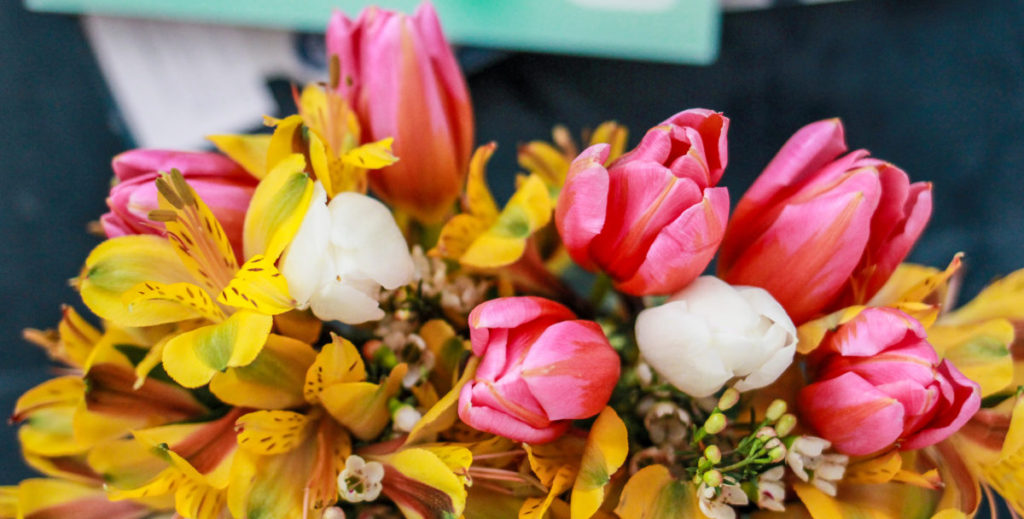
<point x="192" y="275"/>
<point x="551" y="161"/>
<point x="483" y="237"/>
<point x="326" y="130"/>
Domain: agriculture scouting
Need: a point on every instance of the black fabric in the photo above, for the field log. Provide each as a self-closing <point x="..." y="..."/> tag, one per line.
<point x="934" y="86"/>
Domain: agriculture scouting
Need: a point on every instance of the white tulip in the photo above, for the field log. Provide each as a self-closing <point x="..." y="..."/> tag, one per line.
<point x="712" y="333"/>
<point x="342" y="255"/>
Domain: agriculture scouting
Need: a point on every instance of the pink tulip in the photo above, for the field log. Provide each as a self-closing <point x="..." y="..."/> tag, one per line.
<point x="223" y="185"/>
<point x="401" y="78"/>
<point x="821" y="230"/>
<point x="540" y="369"/>
<point x="653" y="219"/>
<point x="880" y="383"/>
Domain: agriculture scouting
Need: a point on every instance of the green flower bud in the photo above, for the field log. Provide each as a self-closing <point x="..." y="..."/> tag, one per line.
<point x="785" y="425"/>
<point x="775" y="410"/>
<point x="715" y="424"/>
<point x="713" y="454"/>
<point x="712" y="478"/>
<point x="728" y="399"/>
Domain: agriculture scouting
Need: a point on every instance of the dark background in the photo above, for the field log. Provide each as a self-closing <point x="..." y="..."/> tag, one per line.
<point x="936" y="87"/>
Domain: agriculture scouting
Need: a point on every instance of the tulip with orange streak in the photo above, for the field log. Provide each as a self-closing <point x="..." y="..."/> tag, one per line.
<point x="821" y="230"/>
<point x="541" y="368"/>
<point x="400" y="76"/>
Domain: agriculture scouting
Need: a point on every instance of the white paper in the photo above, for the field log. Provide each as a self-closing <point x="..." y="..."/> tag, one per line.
<point x="177" y="82"/>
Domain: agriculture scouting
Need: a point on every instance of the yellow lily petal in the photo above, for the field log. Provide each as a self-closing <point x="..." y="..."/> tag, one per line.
<point x="202" y="451"/>
<point x="504" y="242"/>
<point x="1003" y="298"/>
<point x="77" y="337"/>
<point x="444" y="414"/>
<point x="277" y="208"/>
<point x="273" y="381"/>
<point x="285" y="141"/>
<point x="184" y="294"/>
<point x="980" y="351"/>
<point x="339" y="361"/>
<point x="195" y="233"/>
<point x="652" y="493"/>
<point x="448" y="350"/>
<point x="57" y="392"/>
<point x="272" y="432"/>
<point x="198" y="500"/>
<point x="547" y="459"/>
<point x="154" y="357"/>
<point x="458" y="234"/>
<point x="299" y="324"/>
<point x="249" y="151"/>
<point x="258" y="286"/>
<point x="362" y="407"/>
<point x="606" y="449"/>
<point x="614" y="134"/>
<point x="478" y="200"/>
<point x="544" y="160"/>
<point x="1013" y="445"/>
<point x="374" y="155"/>
<point x="487" y="503"/>
<point x="192" y="358"/>
<point x="119" y="264"/>
<point x="423" y="485"/>
<point x="879" y="469"/>
<point x="39" y="498"/>
<point x="535" y="507"/>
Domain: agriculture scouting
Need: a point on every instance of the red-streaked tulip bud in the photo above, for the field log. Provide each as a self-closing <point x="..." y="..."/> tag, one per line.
<point x="540" y="369"/>
<point x="221" y="183"/>
<point x="653" y="219"/>
<point x="879" y="382"/>
<point x="821" y="230"/>
<point x="400" y="76"/>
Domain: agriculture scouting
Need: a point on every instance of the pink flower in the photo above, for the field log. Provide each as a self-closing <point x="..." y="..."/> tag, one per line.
<point x="652" y="220"/>
<point x="821" y="230"/>
<point x="223" y="185"/>
<point x="541" y="368"/>
<point x="879" y="382"/>
<point x="399" y="75"/>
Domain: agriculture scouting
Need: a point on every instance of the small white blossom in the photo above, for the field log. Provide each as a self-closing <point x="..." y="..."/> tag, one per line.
<point x="771" y="492"/>
<point x="717" y="503"/>
<point x="667" y="424"/>
<point x="459" y="294"/>
<point x="408" y="347"/>
<point x="405" y="418"/>
<point x="333" y="513"/>
<point x="361" y="480"/>
<point x="807" y="460"/>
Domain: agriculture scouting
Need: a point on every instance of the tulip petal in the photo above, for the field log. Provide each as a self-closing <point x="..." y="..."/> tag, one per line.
<point x="571" y="370"/>
<point x="510" y="312"/>
<point x="808" y="150"/>
<point x="824" y="254"/>
<point x="852" y="414"/>
<point x="140" y="162"/>
<point x="497" y="422"/>
<point x="683" y="248"/>
<point x="583" y="203"/>
<point x="965" y="401"/>
<point x="713" y="129"/>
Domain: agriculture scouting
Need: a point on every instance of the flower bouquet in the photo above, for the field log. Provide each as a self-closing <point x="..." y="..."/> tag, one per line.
<point x="272" y="342"/>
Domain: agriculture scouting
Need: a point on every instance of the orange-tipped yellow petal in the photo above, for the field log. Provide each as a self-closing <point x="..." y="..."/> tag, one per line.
<point x="606" y="449"/>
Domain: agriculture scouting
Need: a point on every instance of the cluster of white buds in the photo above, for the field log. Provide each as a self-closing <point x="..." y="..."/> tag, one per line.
<point x="459" y="294"/>
<point x="407" y="346"/>
<point x="667" y="424"/>
<point x="807" y="460"/>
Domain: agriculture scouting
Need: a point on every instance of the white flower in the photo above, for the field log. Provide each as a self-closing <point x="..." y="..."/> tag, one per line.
<point x="771" y="492"/>
<point x="667" y="424"/>
<point x="361" y="480"/>
<point x="334" y="513"/>
<point x="405" y="418"/>
<point x="342" y="255"/>
<point x="807" y="460"/>
<point x="716" y="503"/>
<point x="712" y="333"/>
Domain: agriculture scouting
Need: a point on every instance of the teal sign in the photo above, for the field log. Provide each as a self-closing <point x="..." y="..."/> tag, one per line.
<point x="676" y="31"/>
